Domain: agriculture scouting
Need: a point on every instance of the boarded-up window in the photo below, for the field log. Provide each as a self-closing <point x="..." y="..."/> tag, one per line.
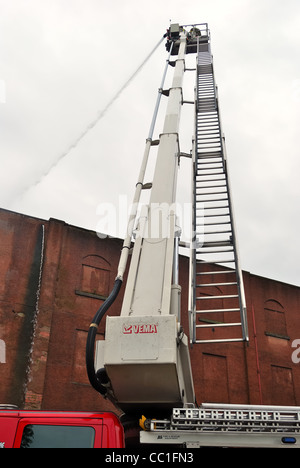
<point x="275" y="318"/>
<point x="95" y="276"/>
<point x="215" y="379"/>
<point x="283" y="392"/>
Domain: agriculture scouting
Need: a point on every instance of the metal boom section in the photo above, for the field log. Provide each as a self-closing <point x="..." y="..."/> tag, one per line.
<point x="145" y="353"/>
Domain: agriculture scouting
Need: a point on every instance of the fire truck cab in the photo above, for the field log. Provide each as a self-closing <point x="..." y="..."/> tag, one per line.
<point x="54" y="429"/>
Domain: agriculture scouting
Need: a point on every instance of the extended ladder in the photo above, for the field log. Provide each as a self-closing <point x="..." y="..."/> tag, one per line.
<point x="217" y="425"/>
<point x="217" y="300"/>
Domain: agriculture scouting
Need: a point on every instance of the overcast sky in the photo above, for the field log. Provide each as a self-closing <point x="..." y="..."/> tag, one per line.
<point x="63" y="61"/>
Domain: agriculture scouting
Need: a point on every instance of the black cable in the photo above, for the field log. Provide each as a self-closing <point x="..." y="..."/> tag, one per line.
<point x="90" y="343"/>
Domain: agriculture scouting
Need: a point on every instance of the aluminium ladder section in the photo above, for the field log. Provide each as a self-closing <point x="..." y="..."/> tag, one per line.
<point x="226" y="425"/>
<point x="218" y="300"/>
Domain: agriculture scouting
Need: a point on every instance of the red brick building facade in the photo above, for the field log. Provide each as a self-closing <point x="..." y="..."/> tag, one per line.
<point x="53" y="278"/>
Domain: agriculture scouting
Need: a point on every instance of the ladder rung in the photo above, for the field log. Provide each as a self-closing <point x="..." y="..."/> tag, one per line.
<point x="212" y="187"/>
<point x="215" y="311"/>
<point x="222" y="192"/>
<point x="210" y="201"/>
<point x="215" y="149"/>
<point x="214" y="224"/>
<point x="208" y="117"/>
<point x="206" y="108"/>
<point x="215" y="325"/>
<point x="218" y="232"/>
<point x="214" y="245"/>
<point x="214" y="284"/>
<point x="207" y="169"/>
<point x="206" y="94"/>
<point x="210" y="136"/>
<point x="206" y="99"/>
<point x="206" y="91"/>
<point x="206" y="88"/>
<point x="217" y="152"/>
<point x="216" y="192"/>
<point x="218" y="243"/>
<point x="229" y="340"/>
<point x="201" y="156"/>
<point x="211" y="215"/>
<point x="208" y="147"/>
<point x="205" y="73"/>
<point x="211" y="173"/>
<point x="211" y="116"/>
<point x="216" y="261"/>
<point x="200" y="164"/>
<point x="211" y="180"/>
<point x="206" y="160"/>
<point x="216" y="208"/>
<point x="229" y="296"/>
<point x="205" y="82"/>
<point x="201" y="126"/>
<point x="205" y="65"/>
<point x="218" y="272"/>
<point x="208" y="127"/>
<point x="210" y="156"/>
<point x="214" y="251"/>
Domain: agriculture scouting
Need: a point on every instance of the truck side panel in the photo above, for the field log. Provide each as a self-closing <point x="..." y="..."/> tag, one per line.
<point x="60" y="430"/>
<point x="8" y="427"/>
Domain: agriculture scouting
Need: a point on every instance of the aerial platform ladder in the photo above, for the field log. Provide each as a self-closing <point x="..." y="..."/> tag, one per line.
<point x="217" y="293"/>
<point x="217" y="299"/>
<point x="144" y="364"/>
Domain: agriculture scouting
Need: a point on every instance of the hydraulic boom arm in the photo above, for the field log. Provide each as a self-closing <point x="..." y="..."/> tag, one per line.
<point x="144" y="360"/>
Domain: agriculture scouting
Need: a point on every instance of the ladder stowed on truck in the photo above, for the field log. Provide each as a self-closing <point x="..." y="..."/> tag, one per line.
<point x="143" y="365"/>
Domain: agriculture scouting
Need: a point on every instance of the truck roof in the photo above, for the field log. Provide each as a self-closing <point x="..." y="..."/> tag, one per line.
<point x="56" y="414"/>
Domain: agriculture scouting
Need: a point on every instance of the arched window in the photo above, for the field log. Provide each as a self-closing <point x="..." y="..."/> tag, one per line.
<point x="275" y="318"/>
<point x="95" y="276"/>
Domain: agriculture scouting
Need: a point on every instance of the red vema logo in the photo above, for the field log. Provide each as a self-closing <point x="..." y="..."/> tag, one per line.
<point x="140" y="329"/>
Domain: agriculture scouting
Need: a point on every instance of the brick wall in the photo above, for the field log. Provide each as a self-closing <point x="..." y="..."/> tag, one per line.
<point x="53" y="278"/>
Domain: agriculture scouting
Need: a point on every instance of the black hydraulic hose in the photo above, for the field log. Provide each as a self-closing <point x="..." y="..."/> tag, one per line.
<point x="90" y="343"/>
